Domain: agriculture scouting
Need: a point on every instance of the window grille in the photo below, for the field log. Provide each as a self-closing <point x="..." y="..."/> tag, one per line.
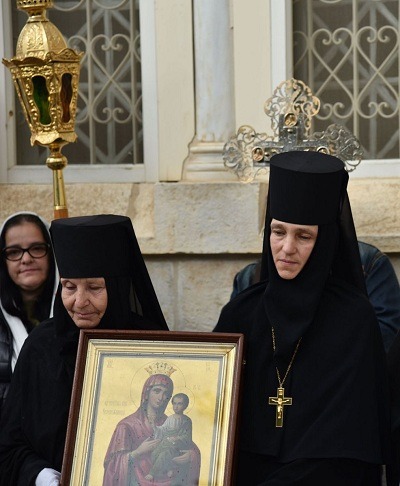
<point x="347" y="51"/>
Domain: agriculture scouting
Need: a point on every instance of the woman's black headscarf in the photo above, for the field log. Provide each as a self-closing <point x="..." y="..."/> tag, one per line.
<point x="308" y="188"/>
<point x="104" y="246"/>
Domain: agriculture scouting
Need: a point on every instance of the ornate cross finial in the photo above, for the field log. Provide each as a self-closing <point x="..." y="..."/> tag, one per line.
<point x="290" y="109"/>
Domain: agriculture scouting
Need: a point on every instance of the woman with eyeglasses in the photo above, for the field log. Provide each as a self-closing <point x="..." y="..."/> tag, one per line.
<point x="28" y="282"/>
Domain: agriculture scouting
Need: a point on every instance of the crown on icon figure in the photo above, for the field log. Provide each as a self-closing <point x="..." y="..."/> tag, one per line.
<point x="160" y="368"/>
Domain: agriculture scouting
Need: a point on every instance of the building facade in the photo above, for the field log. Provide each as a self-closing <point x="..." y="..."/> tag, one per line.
<point x="206" y="68"/>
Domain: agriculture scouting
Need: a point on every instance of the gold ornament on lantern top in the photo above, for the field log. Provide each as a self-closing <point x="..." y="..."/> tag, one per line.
<point x="45" y="73"/>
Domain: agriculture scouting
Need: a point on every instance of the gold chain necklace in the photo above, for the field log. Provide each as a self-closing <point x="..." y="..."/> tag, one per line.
<point x="280" y="400"/>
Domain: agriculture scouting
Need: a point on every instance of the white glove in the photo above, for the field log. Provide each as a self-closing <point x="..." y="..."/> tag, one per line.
<point x="48" y="477"/>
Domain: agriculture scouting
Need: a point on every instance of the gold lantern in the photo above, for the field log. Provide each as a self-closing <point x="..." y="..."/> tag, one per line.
<point x="45" y="73"/>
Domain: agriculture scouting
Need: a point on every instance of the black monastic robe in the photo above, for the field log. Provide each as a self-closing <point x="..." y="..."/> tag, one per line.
<point x="338" y="419"/>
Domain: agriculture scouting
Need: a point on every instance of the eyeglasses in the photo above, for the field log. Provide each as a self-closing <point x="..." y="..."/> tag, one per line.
<point x="15" y="253"/>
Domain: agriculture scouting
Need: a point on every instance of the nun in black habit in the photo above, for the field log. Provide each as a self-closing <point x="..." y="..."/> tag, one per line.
<point x="98" y="256"/>
<point x="314" y="401"/>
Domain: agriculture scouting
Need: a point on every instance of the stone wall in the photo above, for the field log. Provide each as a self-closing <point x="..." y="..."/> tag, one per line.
<point x="196" y="236"/>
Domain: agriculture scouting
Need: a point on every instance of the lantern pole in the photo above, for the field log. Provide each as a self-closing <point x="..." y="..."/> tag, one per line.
<point x="45" y="73"/>
<point x="56" y="162"/>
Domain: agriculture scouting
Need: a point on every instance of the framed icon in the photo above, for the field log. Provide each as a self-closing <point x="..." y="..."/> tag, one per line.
<point x="154" y="408"/>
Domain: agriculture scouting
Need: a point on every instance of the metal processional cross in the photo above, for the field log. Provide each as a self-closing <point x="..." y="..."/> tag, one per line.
<point x="290" y="109"/>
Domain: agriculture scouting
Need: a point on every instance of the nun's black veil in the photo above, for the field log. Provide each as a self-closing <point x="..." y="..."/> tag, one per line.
<point x="308" y="188"/>
<point x="104" y="246"/>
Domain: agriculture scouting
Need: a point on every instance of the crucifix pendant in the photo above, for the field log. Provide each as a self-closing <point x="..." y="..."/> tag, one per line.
<point x="279" y="401"/>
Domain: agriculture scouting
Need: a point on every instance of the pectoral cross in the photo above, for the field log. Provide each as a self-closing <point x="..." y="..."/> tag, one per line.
<point x="279" y="401"/>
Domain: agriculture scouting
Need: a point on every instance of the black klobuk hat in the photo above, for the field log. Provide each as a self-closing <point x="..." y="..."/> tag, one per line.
<point x="93" y="246"/>
<point x="306" y="187"/>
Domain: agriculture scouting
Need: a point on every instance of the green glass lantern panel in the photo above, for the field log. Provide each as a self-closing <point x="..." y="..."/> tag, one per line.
<point x="41" y="97"/>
